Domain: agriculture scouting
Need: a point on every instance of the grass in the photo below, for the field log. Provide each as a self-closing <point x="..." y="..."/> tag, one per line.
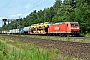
<point x="30" y="52"/>
<point x="87" y="35"/>
<point x="16" y="50"/>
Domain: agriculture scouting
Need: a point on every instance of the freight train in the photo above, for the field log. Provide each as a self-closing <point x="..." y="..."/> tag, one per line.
<point x="60" y="28"/>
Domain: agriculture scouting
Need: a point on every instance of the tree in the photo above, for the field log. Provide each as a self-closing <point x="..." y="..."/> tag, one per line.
<point x="66" y="2"/>
<point x="57" y="4"/>
<point x="73" y="3"/>
<point x="82" y="15"/>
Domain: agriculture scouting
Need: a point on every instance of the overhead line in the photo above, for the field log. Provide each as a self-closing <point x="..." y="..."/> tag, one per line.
<point x="35" y="6"/>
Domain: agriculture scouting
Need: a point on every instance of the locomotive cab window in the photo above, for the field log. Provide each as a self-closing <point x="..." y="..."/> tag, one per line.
<point x="74" y="24"/>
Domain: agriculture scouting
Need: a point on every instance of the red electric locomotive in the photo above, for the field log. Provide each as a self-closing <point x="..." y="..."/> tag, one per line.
<point x="64" y="28"/>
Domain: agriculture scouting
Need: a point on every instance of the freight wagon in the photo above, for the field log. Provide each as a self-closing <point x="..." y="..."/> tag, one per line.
<point x="26" y="30"/>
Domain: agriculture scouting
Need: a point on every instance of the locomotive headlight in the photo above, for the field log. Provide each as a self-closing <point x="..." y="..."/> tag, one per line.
<point x="78" y="28"/>
<point x="75" y="28"/>
<point x="72" y="28"/>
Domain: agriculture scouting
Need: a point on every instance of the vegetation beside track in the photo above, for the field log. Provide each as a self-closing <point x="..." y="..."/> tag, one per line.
<point x="16" y="50"/>
<point x="87" y="35"/>
<point x="68" y="38"/>
<point x="85" y="39"/>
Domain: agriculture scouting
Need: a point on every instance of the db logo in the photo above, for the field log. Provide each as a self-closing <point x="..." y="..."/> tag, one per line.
<point x="56" y="28"/>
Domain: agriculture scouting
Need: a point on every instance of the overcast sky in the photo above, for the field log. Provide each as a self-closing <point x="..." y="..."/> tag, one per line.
<point x="12" y="9"/>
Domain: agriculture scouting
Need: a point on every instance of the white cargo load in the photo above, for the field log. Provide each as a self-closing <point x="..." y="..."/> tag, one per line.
<point x="17" y="31"/>
<point x="14" y="31"/>
<point x="26" y="28"/>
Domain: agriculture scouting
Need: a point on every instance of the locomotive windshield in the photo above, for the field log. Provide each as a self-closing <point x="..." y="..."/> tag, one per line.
<point x="74" y="24"/>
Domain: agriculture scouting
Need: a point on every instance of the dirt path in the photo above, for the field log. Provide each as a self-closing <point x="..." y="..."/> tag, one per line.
<point x="80" y="50"/>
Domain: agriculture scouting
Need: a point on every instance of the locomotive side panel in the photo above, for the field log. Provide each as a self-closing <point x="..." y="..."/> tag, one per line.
<point x="57" y="28"/>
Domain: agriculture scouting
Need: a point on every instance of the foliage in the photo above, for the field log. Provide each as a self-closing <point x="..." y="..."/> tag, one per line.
<point x="69" y="10"/>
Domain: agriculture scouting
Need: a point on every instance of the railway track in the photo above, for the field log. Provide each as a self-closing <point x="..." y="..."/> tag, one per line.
<point x="77" y="49"/>
<point x="72" y="39"/>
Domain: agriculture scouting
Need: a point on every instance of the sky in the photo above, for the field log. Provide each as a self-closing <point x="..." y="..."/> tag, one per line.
<point x="12" y="9"/>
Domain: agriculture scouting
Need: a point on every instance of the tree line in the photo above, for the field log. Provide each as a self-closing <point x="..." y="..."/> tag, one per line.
<point x="68" y="10"/>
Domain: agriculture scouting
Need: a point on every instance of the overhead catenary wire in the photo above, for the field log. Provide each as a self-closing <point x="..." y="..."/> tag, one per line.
<point x="34" y="6"/>
<point x="24" y="11"/>
<point x="38" y="4"/>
